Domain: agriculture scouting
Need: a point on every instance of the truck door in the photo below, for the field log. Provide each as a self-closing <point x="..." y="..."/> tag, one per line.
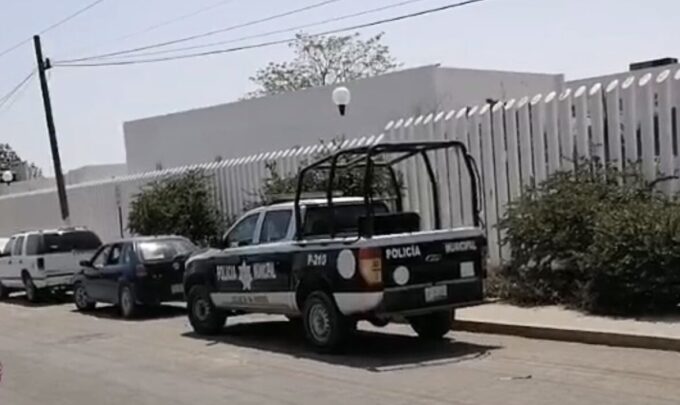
<point x="7" y="276"/>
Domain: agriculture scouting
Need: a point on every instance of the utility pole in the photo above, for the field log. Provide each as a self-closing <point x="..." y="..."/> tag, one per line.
<point x="43" y="65"/>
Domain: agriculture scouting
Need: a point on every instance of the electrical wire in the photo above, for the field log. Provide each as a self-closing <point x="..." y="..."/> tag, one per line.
<point x="279" y="31"/>
<point x="271" y="43"/>
<point x="165" y="23"/>
<point x="204" y="34"/>
<point x="4" y="100"/>
<point x="51" y="27"/>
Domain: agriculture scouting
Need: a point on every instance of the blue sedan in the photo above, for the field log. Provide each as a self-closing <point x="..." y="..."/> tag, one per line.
<point x="134" y="272"/>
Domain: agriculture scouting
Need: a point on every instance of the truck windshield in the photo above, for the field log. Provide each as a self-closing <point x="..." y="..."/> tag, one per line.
<point x="57" y="242"/>
<point x="346" y="218"/>
<point x="166" y="249"/>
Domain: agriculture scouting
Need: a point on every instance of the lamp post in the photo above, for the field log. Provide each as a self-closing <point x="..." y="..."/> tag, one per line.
<point x="341" y="98"/>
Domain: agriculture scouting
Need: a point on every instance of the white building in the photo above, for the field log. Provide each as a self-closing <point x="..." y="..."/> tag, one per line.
<point x="307" y="116"/>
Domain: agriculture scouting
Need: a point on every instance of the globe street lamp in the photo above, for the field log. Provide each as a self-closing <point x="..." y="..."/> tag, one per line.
<point x="7" y="177"/>
<point x="341" y="98"/>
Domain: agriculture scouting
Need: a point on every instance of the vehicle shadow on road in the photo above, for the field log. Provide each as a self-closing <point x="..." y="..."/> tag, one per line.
<point x="20" y="299"/>
<point x="112" y="312"/>
<point x="370" y="350"/>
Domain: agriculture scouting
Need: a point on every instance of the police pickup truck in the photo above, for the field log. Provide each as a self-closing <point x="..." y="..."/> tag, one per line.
<point x="336" y="260"/>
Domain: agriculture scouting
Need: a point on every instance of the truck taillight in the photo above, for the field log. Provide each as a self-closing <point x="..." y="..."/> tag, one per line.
<point x="370" y="265"/>
<point x="40" y="262"/>
<point x="140" y="271"/>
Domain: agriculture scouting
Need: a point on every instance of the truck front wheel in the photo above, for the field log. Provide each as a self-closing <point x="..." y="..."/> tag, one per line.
<point x="205" y="318"/>
<point x="433" y="326"/>
<point x="326" y="328"/>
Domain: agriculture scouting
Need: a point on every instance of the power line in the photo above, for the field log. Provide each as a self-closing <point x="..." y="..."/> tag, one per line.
<point x="7" y="103"/>
<point x="5" y="99"/>
<point x="52" y="26"/>
<point x="280" y="31"/>
<point x="271" y="43"/>
<point x="165" y="23"/>
<point x="204" y="34"/>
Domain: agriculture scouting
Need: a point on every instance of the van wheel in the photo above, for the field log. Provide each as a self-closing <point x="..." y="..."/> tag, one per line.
<point x="82" y="299"/>
<point x="326" y="328"/>
<point x="127" y="302"/>
<point x="432" y="326"/>
<point x="205" y="318"/>
<point x="4" y="292"/>
<point x="32" y="292"/>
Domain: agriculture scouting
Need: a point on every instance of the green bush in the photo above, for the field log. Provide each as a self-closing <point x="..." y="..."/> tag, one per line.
<point x="177" y="205"/>
<point x="567" y="243"/>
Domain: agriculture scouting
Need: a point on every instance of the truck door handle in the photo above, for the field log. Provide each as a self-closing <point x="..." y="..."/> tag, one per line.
<point x="9" y="262"/>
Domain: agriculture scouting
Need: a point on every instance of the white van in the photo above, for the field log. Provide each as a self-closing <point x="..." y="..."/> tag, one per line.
<point x="46" y="260"/>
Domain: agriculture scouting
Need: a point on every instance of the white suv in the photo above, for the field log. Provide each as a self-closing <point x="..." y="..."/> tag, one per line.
<point x="41" y="261"/>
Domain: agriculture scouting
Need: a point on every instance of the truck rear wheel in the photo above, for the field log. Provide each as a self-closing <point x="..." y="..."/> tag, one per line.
<point x="432" y="326"/>
<point x="326" y="328"/>
<point x="205" y="318"/>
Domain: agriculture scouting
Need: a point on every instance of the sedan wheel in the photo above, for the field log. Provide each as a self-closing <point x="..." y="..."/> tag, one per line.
<point x="127" y="301"/>
<point x="82" y="299"/>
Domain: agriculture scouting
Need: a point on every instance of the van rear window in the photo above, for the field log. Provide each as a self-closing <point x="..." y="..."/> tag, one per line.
<point x="68" y="241"/>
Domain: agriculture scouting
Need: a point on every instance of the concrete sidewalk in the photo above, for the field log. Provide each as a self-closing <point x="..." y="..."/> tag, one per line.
<point x="555" y="323"/>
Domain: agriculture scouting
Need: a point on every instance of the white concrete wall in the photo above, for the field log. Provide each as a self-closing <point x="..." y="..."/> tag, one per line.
<point x="75" y="176"/>
<point x="305" y="117"/>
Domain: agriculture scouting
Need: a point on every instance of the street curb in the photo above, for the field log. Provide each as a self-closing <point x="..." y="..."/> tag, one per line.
<point x="571" y="335"/>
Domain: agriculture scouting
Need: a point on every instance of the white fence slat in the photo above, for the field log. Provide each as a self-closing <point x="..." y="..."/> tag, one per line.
<point x="551" y="132"/>
<point x="461" y="134"/>
<point x="491" y="213"/>
<point x="525" y="155"/>
<point x="646" y="101"/>
<point x="663" y="84"/>
<point x="501" y="169"/>
<point x="538" y="138"/>
<point x="630" y="123"/>
<point x="582" y="136"/>
<point x="597" y="146"/>
<point x="444" y="172"/>
<point x="422" y="178"/>
<point x="567" y="156"/>
<point x="613" y="117"/>
<point x="411" y="182"/>
<point x="452" y="163"/>
<point x="512" y="151"/>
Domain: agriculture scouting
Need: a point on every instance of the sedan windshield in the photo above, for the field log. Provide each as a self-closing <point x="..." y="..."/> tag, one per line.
<point x="166" y="249"/>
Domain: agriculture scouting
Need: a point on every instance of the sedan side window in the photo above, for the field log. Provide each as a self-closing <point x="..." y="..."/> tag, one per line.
<point x="100" y="259"/>
<point x="244" y="233"/>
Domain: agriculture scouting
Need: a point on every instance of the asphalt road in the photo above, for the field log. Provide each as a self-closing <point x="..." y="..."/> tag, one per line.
<point x="54" y="355"/>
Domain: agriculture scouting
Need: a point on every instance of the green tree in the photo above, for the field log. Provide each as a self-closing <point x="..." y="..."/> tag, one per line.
<point x="324" y="60"/>
<point x="178" y="205"/>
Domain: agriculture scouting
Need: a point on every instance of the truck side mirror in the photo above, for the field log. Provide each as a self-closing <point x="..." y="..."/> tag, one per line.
<point x="86" y="263"/>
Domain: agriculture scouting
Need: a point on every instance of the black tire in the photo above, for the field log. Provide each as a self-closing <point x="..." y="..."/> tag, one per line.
<point x="204" y="317"/>
<point x="127" y="302"/>
<point x="82" y="299"/>
<point x="433" y="326"/>
<point x="326" y="328"/>
<point x="32" y="292"/>
<point x="4" y="292"/>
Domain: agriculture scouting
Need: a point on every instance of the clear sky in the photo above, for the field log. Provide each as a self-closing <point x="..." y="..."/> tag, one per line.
<point x="579" y="38"/>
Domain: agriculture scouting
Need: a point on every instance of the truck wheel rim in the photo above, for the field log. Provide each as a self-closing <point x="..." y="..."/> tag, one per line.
<point x="201" y="309"/>
<point x="319" y="322"/>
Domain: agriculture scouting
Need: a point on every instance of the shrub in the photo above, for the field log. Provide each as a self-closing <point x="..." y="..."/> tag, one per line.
<point x="561" y="254"/>
<point x="178" y="205"/>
